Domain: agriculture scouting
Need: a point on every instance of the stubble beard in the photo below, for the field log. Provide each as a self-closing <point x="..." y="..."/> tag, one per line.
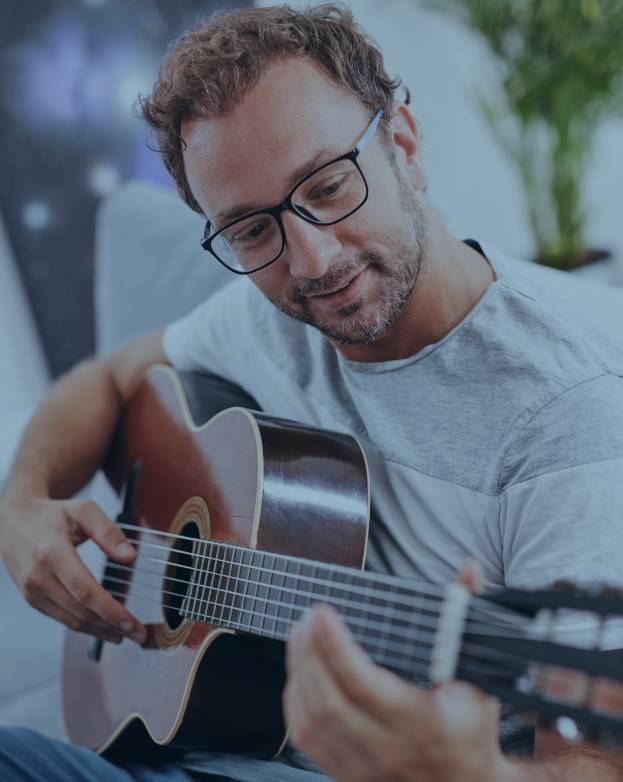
<point x="397" y="273"/>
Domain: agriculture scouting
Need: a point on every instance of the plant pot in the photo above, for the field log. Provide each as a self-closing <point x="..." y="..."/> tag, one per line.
<point x="576" y="261"/>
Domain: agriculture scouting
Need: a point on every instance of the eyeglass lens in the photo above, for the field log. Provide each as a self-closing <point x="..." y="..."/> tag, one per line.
<point x="328" y="195"/>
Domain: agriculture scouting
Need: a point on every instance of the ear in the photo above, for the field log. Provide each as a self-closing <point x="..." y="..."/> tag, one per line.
<point x="406" y="139"/>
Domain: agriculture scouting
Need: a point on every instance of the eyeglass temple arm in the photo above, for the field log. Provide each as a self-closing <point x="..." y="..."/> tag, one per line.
<point x="369" y="131"/>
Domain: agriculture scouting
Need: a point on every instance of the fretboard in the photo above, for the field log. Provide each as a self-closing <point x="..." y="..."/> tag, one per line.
<point x="264" y="594"/>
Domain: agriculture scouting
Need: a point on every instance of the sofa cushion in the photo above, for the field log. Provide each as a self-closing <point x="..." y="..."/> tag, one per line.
<point x="150" y="267"/>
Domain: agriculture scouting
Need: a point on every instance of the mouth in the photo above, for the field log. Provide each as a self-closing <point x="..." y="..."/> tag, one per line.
<point x="345" y="292"/>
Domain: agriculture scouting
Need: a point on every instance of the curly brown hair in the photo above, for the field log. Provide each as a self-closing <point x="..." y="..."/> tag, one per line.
<point x="210" y="69"/>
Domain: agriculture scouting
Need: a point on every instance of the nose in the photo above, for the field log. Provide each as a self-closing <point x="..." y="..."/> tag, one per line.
<point x="310" y="248"/>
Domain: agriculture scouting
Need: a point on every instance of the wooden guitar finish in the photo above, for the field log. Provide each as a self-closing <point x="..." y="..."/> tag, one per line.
<point x="238" y="477"/>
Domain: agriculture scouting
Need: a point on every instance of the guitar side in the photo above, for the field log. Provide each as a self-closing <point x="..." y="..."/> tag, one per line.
<point x="240" y="477"/>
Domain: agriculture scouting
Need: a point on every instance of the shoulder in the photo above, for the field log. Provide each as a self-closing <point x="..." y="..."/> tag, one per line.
<point x="553" y="306"/>
<point x="580" y="427"/>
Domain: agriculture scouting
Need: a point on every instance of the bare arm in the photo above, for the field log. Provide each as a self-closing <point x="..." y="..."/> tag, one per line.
<point x="61" y="449"/>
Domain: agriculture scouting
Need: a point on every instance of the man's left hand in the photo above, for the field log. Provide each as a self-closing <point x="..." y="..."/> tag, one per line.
<point x="362" y="723"/>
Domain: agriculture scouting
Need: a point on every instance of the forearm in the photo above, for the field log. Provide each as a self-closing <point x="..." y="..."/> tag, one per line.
<point x="67" y="438"/>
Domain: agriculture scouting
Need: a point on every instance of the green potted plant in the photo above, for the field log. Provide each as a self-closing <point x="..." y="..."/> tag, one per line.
<point x="562" y="74"/>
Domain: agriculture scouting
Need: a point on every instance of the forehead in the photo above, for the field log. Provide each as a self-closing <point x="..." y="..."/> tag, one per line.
<point x="294" y="112"/>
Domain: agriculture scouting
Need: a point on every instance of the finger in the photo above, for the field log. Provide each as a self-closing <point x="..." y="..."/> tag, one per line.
<point x="88" y="621"/>
<point x="471" y="576"/>
<point x="323" y="723"/>
<point x="46" y="606"/>
<point x="372" y="688"/>
<point x="83" y="587"/>
<point x="108" y="535"/>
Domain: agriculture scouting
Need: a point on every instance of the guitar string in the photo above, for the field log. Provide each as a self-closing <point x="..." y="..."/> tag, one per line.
<point x="476" y="626"/>
<point x="422" y="587"/>
<point x="514" y="662"/>
<point x="400" y="651"/>
<point x="394" y="654"/>
<point x="438" y="593"/>
<point x="367" y="608"/>
<point x="414" y="637"/>
<point x="416" y="667"/>
<point x="418" y="632"/>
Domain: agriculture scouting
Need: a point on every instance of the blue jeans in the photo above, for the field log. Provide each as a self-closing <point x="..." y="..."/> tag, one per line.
<point x="28" y="756"/>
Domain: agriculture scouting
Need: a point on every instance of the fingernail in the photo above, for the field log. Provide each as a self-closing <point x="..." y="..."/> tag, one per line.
<point x="125" y="549"/>
<point x="127" y="626"/>
<point x="140" y="636"/>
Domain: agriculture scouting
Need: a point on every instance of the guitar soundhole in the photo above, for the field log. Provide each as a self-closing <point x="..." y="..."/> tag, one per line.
<point x="178" y="574"/>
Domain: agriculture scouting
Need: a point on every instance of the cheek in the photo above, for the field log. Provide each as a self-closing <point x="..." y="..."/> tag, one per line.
<point x="273" y="281"/>
<point x="379" y="219"/>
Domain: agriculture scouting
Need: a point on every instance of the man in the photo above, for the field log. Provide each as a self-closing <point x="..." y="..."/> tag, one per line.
<point x="492" y="420"/>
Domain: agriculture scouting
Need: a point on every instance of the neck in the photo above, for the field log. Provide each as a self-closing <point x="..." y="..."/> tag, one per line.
<point x="452" y="279"/>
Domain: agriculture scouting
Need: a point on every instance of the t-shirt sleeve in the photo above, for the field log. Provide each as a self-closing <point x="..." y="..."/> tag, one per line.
<point x="216" y="336"/>
<point x="561" y="516"/>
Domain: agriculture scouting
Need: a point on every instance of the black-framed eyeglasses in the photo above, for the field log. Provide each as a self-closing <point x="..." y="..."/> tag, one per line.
<point x="329" y="194"/>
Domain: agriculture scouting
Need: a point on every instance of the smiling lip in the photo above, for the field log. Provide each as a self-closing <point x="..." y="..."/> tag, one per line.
<point x="346" y="293"/>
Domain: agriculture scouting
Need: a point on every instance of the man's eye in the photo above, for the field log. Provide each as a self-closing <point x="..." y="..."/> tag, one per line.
<point x="250" y="233"/>
<point x="327" y="189"/>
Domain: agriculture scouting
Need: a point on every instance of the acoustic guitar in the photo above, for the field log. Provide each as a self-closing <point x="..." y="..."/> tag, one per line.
<point x="242" y="521"/>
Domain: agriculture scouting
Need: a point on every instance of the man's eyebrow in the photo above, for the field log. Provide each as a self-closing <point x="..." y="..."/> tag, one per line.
<point x="226" y="216"/>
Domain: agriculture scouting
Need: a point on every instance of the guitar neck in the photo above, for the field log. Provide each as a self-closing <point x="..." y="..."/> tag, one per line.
<point x="264" y="594"/>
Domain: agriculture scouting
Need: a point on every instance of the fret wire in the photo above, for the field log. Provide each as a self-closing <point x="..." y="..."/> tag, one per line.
<point x="273" y="589"/>
<point x="246" y="553"/>
<point x="397" y="664"/>
<point x="210" y="619"/>
<point x="188" y="597"/>
<point x="204" y="578"/>
<point x="255" y="593"/>
<point x="306" y="603"/>
<point x="370" y="643"/>
<point x="236" y="610"/>
<point x="372" y="646"/>
<point x="430" y="591"/>
<point x="223" y="618"/>
<point x="365" y="576"/>
<point x="223" y="584"/>
<point x="292" y="608"/>
<point x="263" y="613"/>
<point x="391" y="618"/>
<point x="213" y="588"/>
<point x="206" y="582"/>
<point x="203" y="570"/>
<point x="413" y="629"/>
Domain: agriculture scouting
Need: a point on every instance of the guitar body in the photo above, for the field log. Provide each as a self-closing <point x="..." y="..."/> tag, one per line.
<point x="234" y="476"/>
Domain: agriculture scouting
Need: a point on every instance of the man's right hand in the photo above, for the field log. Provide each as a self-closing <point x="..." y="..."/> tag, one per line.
<point x="38" y="539"/>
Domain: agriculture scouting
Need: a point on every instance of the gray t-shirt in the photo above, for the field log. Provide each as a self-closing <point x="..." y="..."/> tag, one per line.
<point x="502" y="442"/>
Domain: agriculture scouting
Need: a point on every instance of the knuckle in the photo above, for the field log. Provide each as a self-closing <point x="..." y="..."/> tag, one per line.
<point x="108" y="617"/>
<point x="81" y="591"/>
<point x="42" y="558"/>
<point x="358" y="691"/>
<point x="83" y="614"/>
<point x="31" y="588"/>
<point x="328" y="713"/>
<point x="302" y="734"/>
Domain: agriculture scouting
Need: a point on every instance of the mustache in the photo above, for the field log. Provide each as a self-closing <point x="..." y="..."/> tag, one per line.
<point x="338" y="275"/>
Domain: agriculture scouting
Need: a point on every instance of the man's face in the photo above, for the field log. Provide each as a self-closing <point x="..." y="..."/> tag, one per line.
<point x="350" y="280"/>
